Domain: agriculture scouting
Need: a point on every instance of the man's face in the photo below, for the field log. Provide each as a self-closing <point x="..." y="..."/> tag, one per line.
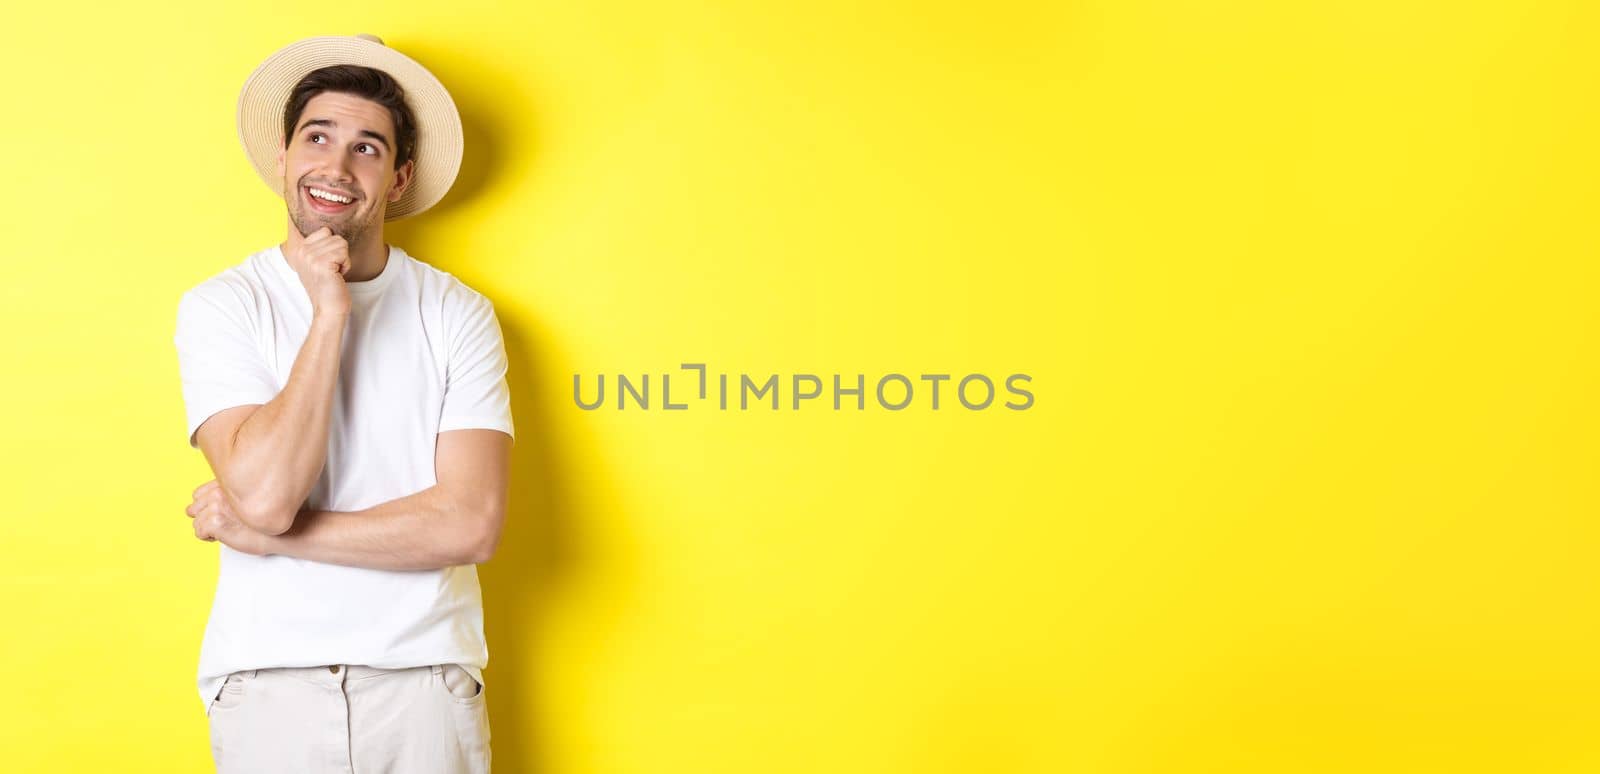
<point x="343" y="147"/>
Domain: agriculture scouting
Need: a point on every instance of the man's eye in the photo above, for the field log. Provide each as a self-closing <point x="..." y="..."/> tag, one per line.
<point x="314" y="137"/>
<point x="365" y="145"/>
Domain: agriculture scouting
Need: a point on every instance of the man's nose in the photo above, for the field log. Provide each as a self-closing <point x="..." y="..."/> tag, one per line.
<point x="339" y="170"/>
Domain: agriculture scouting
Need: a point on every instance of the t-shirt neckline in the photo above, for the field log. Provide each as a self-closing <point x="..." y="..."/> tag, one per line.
<point x="364" y="288"/>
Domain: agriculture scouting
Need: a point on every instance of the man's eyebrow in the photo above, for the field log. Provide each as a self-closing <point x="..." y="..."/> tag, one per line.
<point x="330" y="122"/>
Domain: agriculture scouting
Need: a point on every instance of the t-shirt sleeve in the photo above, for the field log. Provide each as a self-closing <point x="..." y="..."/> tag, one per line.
<point x="218" y="360"/>
<point x="476" y="394"/>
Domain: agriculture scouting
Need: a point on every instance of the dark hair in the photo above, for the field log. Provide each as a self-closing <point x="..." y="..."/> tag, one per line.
<point x="359" y="81"/>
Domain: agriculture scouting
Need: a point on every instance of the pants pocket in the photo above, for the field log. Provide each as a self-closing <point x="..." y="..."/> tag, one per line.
<point x="459" y="682"/>
<point x="471" y="713"/>
<point x="232" y="691"/>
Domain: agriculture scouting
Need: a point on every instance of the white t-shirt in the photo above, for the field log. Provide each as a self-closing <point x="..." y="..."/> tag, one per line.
<point x="422" y="353"/>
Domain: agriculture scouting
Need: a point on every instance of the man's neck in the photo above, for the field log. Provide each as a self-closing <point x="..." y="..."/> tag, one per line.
<point x="367" y="256"/>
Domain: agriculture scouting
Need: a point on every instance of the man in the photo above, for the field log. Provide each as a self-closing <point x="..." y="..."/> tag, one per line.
<point x="353" y="406"/>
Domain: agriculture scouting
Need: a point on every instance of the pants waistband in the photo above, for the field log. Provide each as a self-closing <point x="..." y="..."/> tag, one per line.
<point x="336" y="672"/>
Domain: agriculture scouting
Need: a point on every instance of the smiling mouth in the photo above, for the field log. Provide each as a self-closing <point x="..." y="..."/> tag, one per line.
<point x="325" y="200"/>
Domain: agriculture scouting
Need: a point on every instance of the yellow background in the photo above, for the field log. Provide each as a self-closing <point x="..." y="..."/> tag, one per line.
<point x="1307" y="294"/>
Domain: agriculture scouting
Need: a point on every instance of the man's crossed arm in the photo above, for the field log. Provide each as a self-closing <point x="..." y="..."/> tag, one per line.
<point x="456" y="521"/>
<point x="268" y="456"/>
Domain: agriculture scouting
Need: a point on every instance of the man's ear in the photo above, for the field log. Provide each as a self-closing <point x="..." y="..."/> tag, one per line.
<point x="402" y="179"/>
<point x="281" y="150"/>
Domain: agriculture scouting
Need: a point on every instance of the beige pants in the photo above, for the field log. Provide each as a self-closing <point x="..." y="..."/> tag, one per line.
<point x="353" y="719"/>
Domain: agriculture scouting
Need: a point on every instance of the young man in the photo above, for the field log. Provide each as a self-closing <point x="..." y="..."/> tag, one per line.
<point x="353" y="406"/>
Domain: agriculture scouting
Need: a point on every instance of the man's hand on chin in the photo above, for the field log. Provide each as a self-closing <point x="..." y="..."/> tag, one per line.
<point x="216" y="519"/>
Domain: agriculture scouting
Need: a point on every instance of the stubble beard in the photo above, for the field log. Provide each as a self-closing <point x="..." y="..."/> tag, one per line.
<point x="307" y="222"/>
<point x="351" y="229"/>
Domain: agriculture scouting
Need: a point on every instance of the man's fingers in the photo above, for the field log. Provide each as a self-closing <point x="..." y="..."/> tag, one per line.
<point x="328" y="252"/>
<point x="325" y="240"/>
<point x="330" y="262"/>
<point x="205" y="524"/>
<point x="203" y="487"/>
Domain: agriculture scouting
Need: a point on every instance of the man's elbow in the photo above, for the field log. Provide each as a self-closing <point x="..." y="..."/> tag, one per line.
<point x="268" y="519"/>
<point x="267" y="515"/>
<point x="485" y="537"/>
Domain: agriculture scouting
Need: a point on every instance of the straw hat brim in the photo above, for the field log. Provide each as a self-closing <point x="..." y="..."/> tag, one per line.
<point x="439" y="137"/>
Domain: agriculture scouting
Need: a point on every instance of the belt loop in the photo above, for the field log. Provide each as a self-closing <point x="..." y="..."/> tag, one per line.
<point x="253" y="673"/>
<point x="437" y="669"/>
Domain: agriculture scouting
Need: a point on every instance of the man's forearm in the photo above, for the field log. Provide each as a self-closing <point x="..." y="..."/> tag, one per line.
<point x="423" y="531"/>
<point x="279" y="451"/>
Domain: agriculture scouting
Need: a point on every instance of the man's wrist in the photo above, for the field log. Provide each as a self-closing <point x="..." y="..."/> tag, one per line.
<point x="320" y="318"/>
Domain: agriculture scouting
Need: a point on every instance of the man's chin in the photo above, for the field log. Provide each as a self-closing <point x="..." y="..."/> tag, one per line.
<point x="340" y="226"/>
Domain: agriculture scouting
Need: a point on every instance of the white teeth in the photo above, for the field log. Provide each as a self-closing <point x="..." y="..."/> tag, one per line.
<point x="332" y="197"/>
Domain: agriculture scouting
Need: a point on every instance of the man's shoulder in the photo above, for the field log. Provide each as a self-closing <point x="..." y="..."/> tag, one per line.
<point x="233" y="287"/>
<point x="447" y="289"/>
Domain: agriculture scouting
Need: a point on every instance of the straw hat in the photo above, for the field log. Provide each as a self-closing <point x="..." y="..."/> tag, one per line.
<point x="266" y="92"/>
